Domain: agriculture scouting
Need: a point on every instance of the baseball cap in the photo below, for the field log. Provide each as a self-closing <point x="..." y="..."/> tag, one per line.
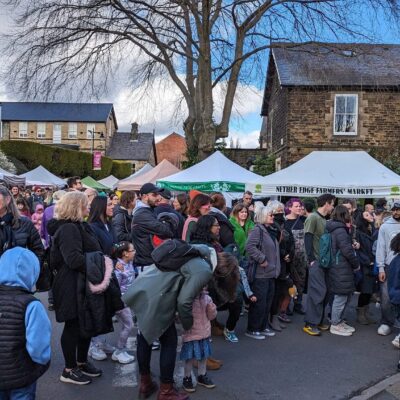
<point x="166" y="194"/>
<point x="395" y="205"/>
<point x="149" y="188"/>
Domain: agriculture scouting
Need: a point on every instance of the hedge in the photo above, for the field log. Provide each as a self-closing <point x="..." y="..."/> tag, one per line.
<point x="61" y="162"/>
<point x="121" y="169"/>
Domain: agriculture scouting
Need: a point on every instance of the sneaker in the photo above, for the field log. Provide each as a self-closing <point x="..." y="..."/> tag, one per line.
<point x="324" y="327"/>
<point x="90" y="370"/>
<point x="284" y="318"/>
<point x="396" y="341"/>
<point x="107" y="348"/>
<point x="230" y="336"/>
<point x="268" y="332"/>
<point x="339" y="330"/>
<point x="156" y="345"/>
<point x="187" y="384"/>
<point x="384" y="330"/>
<point x="311" y="330"/>
<point x="97" y="353"/>
<point x="255" y="335"/>
<point x="122" y="357"/>
<point x="348" y="327"/>
<point x="205" y="381"/>
<point x="74" y="376"/>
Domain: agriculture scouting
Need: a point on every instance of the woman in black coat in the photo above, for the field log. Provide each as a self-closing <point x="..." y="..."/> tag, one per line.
<point x="366" y="234"/>
<point x="101" y="209"/>
<point x="341" y="273"/>
<point x="71" y="239"/>
<point x="218" y="208"/>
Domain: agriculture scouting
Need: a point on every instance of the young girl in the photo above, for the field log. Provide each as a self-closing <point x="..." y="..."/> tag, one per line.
<point x="37" y="216"/>
<point x="126" y="272"/>
<point x="196" y="342"/>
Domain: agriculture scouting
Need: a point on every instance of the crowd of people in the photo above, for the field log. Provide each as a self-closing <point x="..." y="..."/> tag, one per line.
<point x="103" y="257"/>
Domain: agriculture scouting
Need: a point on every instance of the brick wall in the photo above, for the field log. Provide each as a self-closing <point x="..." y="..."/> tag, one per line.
<point x="242" y="156"/>
<point x="172" y="148"/>
<point x="310" y="116"/>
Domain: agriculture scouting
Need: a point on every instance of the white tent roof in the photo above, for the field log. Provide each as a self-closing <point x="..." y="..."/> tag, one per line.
<point x="214" y="174"/>
<point x="343" y="173"/>
<point x="41" y="177"/>
<point x="146" y="168"/>
<point x="3" y="173"/>
<point x="163" y="169"/>
<point x="111" y="181"/>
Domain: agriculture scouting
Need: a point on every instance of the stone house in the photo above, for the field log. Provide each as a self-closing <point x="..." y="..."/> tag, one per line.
<point x="172" y="148"/>
<point x="134" y="146"/>
<point x="81" y="126"/>
<point x="330" y="97"/>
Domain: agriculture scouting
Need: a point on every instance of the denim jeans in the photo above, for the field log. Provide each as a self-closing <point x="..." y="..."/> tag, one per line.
<point x="25" y="393"/>
<point x="388" y="316"/>
<point x="169" y="342"/>
<point x="339" y="304"/>
<point x="259" y="311"/>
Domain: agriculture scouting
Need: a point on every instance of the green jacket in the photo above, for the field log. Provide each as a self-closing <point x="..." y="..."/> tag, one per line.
<point x="241" y="234"/>
<point x="156" y="296"/>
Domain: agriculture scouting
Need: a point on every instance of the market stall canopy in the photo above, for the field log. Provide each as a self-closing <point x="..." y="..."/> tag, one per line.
<point x="42" y="177"/>
<point x="214" y="174"/>
<point x="165" y="168"/>
<point x="89" y="182"/>
<point x="352" y="174"/>
<point x="146" y="168"/>
<point x="10" y="179"/>
<point x="111" y="181"/>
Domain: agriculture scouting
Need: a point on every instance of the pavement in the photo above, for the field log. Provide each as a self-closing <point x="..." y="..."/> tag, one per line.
<point x="291" y="365"/>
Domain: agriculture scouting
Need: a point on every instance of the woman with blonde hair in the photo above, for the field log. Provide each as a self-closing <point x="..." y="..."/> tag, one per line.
<point x="72" y="239"/>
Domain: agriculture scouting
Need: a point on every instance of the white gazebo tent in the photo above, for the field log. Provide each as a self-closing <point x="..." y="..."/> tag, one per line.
<point x="352" y="174"/>
<point x="10" y="179"/>
<point x="42" y="177"/>
<point x="146" y="168"/>
<point x="165" y="168"/>
<point x="214" y="174"/>
<point x="111" y="181"/>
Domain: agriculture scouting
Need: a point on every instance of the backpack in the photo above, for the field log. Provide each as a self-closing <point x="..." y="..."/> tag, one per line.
<point x="326" y="257"/>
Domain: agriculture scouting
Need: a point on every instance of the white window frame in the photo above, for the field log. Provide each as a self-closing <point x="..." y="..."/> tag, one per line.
<point x="72" y="130"/>
<point x="354" y="95"/>
<point x="23" y="129"/>
<point x="41" y="130"/>
<point x="90" y="127"/>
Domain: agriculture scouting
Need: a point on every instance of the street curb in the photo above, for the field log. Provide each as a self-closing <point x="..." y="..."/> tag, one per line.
<point x="378" y="388"/>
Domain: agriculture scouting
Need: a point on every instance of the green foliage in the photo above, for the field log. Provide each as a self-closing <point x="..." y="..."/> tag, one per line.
<point x="6" y="164"/>
<point x="192" y="156"/>
<point x="61" y="162"/>
<point x="121" y="169"/>
<point x="264" y="165"/>
<point x="390" y="159"/>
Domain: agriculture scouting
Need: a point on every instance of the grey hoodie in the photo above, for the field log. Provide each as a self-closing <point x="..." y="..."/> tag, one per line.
<point x="387" y="232"/>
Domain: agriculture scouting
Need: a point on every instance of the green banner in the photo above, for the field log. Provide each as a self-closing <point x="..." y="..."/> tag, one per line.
<point x="216" y="186"/>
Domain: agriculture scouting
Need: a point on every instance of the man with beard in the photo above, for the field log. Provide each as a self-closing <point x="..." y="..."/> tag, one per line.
<point x="384" y="256"/>
<point x="314" y="228"/>
<point x="145" y="225"/>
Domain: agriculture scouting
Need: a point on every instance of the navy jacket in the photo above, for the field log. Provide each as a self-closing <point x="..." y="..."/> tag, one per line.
<point x="105" y="237"/>
<point x="394" y="280"/>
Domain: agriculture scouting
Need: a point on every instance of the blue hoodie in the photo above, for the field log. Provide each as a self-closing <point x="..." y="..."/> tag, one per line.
<point x="19" y="267"/>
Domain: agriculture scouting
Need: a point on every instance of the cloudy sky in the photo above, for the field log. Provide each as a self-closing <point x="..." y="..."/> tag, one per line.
<point x="155" y="109"/>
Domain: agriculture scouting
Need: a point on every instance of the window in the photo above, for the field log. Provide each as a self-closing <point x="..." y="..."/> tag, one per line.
<point x="41" y="130"/>
<point x="23" y="129"/>
<point x="72" y="130"/>
<point x="346" y="114"/>
<point x="89" y="130"/>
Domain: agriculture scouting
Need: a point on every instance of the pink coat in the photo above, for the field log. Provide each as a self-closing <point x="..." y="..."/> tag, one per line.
<point x="203" y="310"/>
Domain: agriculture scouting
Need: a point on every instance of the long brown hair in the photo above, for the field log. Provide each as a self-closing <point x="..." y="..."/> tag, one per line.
<point x="195" y="205"/>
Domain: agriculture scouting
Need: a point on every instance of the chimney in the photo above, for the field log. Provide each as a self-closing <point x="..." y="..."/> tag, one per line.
<point x="134" y="131"/>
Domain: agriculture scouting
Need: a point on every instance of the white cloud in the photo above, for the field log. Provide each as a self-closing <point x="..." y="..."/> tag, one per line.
<point x="247" y="140"/>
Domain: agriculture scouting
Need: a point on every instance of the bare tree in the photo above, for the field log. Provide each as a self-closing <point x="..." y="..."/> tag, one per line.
<point x="199" y="45"/>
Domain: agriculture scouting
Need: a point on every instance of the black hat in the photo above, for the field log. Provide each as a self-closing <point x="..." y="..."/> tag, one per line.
<point x="396" y="205"/>
<point x="166" y="194"/>
<point x="149" y="188"/>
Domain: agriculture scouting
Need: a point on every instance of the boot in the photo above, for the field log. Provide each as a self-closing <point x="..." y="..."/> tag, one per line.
<point x="275" y="325"/>
<point x="212" y="364"/>
<point x="361" y="317"/>
<point x="147" y="386"/>
<point x="168" y="392"/>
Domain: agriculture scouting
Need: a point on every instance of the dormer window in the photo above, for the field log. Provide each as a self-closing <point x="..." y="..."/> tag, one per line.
<point x="346" y="115"/>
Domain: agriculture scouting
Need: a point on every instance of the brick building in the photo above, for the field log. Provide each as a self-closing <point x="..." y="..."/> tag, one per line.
<point x="330" y="97"/>
<point x="172" y="148"/>
<point x="64" y="124"/>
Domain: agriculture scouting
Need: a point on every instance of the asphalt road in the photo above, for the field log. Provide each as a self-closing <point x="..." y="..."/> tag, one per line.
<point x="291" y="365"/>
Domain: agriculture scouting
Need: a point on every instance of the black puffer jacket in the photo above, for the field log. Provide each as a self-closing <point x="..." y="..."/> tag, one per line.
<point x="70" y="242"/>
<point x="122" y="224"/>
<point x="341" y="275"/>
<point x="227" y="231"/>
